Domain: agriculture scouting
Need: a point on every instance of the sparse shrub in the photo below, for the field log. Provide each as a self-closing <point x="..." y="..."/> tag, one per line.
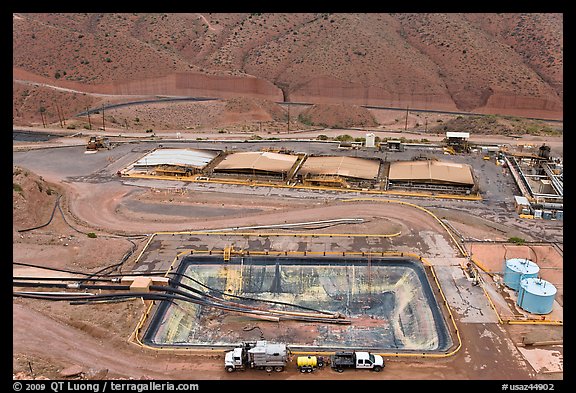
<point x="305" y="119"/>
<point x="322" y="137"/>
<point x="16" y="187"/>
<point x="516" y="240"/>
<point x="344" y="138"/>
<point x="91" y="235"/>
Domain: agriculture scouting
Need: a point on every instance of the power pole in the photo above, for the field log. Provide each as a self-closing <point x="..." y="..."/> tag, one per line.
<point x="406" y="123"/>
<point x="59" y="115"/>
<point x="288" y="118"/>
<point x="89" y="122"/>
<point x="103" y="122"/>
<point x="42" y="110"/>
<point x="63" y="118"/>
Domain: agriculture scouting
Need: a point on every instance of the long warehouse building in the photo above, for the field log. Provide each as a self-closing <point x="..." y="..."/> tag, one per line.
<point x="257" y="163"/>
<point x="348" y="167"/>
<point x="431" y="173"/>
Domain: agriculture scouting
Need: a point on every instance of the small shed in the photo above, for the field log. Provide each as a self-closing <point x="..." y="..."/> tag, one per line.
<point x="521" y="204"/>
<point x="458" y="140"/>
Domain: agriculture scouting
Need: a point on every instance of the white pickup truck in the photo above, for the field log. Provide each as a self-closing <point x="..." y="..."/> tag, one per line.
<point x="341" y="360"/>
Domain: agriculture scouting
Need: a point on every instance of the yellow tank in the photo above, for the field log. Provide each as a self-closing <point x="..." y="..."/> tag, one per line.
<point x="307" y="361"/>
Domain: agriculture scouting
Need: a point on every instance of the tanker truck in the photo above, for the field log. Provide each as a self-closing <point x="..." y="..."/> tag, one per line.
<point x="260" y="355"/>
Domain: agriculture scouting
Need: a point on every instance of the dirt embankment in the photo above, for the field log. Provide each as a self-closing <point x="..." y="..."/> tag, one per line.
<point x="337" y="116"/>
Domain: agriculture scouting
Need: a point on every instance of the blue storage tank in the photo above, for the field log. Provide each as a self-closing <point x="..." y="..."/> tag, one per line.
<point x="536" y="295"/>
<point x="518" y="268"/>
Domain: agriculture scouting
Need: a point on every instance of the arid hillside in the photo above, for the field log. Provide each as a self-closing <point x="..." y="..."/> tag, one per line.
<point x="487" y="63"/>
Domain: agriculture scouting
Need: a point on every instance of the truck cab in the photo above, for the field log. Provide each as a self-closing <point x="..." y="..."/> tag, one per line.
<point x="260" y="355"/>
<point x="235" y="359"/>
<point x="370" y="361"/>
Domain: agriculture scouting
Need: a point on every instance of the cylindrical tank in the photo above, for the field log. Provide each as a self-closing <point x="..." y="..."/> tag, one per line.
<point x="307" y="361"/>
<point x="517" y="269"/>
<point x="536" y="295"/>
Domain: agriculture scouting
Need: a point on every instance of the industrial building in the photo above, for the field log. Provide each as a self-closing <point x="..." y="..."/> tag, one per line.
<point x="257" y="164"/>
<point x="431" y="175"/>
<point x="174" y="162"/>
<point x="458" y="141"/>
<point x="339" y="171"/>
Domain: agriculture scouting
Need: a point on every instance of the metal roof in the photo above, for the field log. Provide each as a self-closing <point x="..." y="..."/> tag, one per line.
<point x="342" y="166"/>
<point x="259" y="161"/>
<point x="457" y="134"/>
<point x="521" y="200"/>
<point x="431" y="171"/>
<point x="183" y="157"/>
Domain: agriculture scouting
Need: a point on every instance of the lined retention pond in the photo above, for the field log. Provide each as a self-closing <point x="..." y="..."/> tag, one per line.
<point x="389" y="301"/>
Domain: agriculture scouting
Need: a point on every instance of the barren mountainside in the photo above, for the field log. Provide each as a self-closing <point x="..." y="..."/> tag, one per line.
<point x="486" y="63"/>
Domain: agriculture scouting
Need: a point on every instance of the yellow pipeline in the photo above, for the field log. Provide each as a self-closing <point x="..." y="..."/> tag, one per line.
<point x="144" y="248"/>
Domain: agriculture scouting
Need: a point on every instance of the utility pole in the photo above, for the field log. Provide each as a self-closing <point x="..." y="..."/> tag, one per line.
<point x="89" y="122"/>
<point x="406" y="123"/>
<point x="63" y="118"/>
<point x="103" y="122"/>
<point x="42" y="110"/>
<point x="60" y="116"/>
<point x="288" y="118"/>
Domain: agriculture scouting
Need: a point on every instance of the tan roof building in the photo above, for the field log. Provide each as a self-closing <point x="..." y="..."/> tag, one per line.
<point x="431" y="172"/>
<point x="257" y="162"/>
<point x="359" y="168"/>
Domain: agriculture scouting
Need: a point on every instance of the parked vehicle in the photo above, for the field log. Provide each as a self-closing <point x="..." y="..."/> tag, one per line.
<point x="260" y="355"/>
<point x="342" y="360"/>
<point x="307" y="364"/>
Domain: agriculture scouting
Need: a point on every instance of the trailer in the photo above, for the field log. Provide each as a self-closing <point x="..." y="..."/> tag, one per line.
<point x="260" y="355"/>
<point x="307" y="364"/>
